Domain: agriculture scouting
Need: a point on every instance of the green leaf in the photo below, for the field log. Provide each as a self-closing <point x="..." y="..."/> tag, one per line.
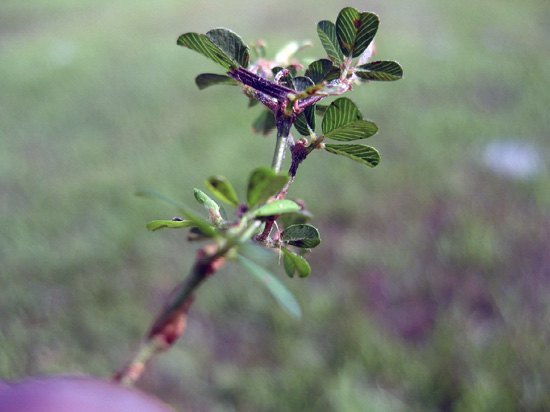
<point x="212" y="207"/>
<point x="277" y="207"/>
<point x="355" y="30"/>
<point x="231" y="44"/>
<point x="205" y="227"/>
<point x="388" y="71"/>
<point x="279" y="291"/>
<point x="223" y="190"/>
<point x="305" y="121"/>
<point x="318" y="70"/>
<point x="361" y="129"/>
<point x="293" y="262"/>
<point x="327" y="34"/>
<point x="172" y="224"/>
<point x="210" y="79"/>
<point x="340" y="112"/>
<point x="264" y="123"/>
<point x="358" y="152"/>
<point x="262" y="184"/>
<point x="201" y="44"/>
<point x="304" y="236"/>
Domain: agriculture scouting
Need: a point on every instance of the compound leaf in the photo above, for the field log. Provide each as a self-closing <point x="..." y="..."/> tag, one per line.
<point x="358" y="152"/>
<point x="388" y="70"/>
<point x="355" y="31"/>
<point x="279" y="291"/>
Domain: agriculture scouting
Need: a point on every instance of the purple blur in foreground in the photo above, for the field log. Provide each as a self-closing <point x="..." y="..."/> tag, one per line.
<point x="75" y="393"/>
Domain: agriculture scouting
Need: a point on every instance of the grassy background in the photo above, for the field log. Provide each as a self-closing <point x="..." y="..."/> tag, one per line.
<point x="430" y="290"/>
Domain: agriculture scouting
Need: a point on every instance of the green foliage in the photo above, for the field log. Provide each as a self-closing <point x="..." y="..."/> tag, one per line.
<point x="231" y="45"/>
<point x="222" y="46"/>
<point x="301" y="235"/>
<point x="320" y="70"/>
<point x="172" y="224"/>
<point x="77" y="276"/>
<point x="203" y="225"/>
<point x="340" y="112"/>
<point x="262" y="184"/>
<point x="293" y="263"/>
<point x="223" y="190"/>
<point x="279" y="291"/>
<point x="289" y="100"/>
<point x="202" y="44"/>
<point x="327" y="34"/>
<point x="358" y="152"/>
<point x="355" y="31"/>
<point x="380" y="71"/>
<point x="214" y="212"/>
<point x="277" y="207"/>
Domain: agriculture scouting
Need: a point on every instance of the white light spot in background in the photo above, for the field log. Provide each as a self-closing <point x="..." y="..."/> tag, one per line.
<point x="513" y="158"/>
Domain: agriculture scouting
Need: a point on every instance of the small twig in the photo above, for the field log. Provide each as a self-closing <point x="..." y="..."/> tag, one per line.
<point x="172" y="320"/>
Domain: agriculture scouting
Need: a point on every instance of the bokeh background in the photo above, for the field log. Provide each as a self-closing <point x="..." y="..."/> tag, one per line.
<point x="431" y="289"/>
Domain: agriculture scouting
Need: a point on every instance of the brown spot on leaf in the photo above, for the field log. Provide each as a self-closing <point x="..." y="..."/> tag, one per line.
<point x="357" y="23"/>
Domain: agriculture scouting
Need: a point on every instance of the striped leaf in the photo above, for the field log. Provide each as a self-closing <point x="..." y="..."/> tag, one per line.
<point x="318" y="70"/>
<point x="340" y="112"/>
<point x="380" y="71"/>
<point x="358" y="152"/>
<point x="327" y="34"/>
<point x="355" y="30"/>
<point x="360" y="129"/>
<point x="231" y="44"/>
<point x="201" y="44"/>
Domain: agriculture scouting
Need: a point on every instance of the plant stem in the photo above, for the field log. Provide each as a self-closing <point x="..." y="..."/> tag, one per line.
<point x="171" y="322"/>
<point x="283" y="129"/>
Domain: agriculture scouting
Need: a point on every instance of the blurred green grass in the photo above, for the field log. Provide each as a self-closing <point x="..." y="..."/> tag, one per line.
<point x="430" y="290"/>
